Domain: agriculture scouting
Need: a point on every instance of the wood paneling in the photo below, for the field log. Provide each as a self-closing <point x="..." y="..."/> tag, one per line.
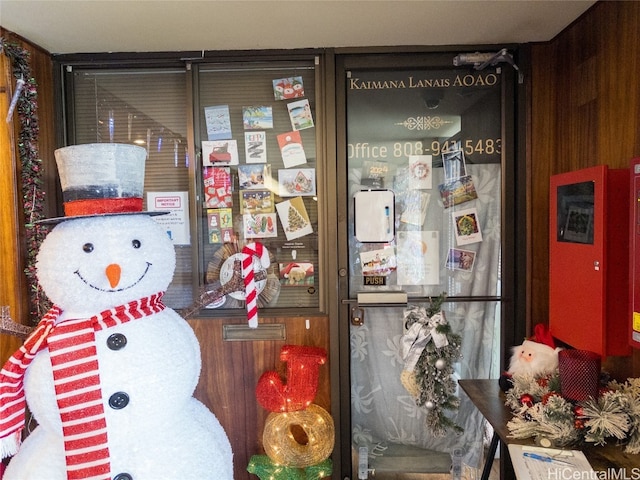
<point x="230" y="373"/>
<point x="585" y="111"/>
<point x="13" y="288"/>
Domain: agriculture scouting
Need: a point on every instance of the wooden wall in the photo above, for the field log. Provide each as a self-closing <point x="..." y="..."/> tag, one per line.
<point x="585" y="111"/>
<point x="230" y="373"/>
<point x="13" y="288"/>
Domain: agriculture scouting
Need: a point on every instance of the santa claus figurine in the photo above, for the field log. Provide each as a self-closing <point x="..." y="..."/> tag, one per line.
<point x="536" y="356"/>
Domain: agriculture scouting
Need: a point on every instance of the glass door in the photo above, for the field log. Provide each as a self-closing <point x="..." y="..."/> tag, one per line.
<point x="423" y="177"/>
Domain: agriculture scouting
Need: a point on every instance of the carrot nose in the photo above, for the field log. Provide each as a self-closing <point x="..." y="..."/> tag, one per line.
<point x="113" y="274"/>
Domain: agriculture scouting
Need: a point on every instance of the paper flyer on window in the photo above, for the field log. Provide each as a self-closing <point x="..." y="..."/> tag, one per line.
<point x="176" y="222"/>
<point x="418" y="257"/>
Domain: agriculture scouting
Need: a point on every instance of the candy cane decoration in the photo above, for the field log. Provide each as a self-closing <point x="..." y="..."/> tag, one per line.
<point x="251" y="293"/>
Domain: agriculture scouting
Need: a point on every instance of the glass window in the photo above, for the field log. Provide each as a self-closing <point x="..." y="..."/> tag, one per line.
<point x="254" y="175"/>
<point x="256" y="171"/>
<point x="147" y="108"/>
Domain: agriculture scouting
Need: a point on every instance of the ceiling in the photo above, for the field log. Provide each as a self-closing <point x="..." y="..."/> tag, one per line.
<point x="97" y="26"/>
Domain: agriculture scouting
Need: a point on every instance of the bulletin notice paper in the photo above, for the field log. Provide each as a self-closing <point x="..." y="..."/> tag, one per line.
<point x="563" y="464"/>
<point x="175" y="221"/>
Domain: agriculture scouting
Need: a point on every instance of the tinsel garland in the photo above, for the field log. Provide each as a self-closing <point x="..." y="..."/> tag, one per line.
<point x="542" y="413"/>
<point x="430" y="381"/>
<point x="30" y="171"/>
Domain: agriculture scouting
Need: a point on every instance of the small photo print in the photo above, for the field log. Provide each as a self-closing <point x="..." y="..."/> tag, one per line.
<point x="296" y="274"/>
<point x="458" y="191"/>
<point x="458" y="259"/>
<point x="379" y="262"/>
<point x="294" y="218"/>
<point x="254" y="177"/>
<point x="220" y="152"/>
<point x="255" y="147"/>
<point x="467" y="226"/>
<point x="291" y="149"/>
<point x="300" y="114"/>
<point x="218" y="122"/>
<point x="297" y="182"/>
<point x="287" y="88"/>
<point x="454" y="165"/>
<point x="257" y="118"/>
<point x="420" y="172"/>
<point x="259" y="225"/>
<point x="256" y="201"/>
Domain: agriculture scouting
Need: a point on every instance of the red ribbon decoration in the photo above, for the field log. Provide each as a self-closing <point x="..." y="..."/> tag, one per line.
<point x="102" y="206"/>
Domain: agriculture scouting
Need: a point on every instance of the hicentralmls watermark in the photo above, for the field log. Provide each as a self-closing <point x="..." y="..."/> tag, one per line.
<point x="568" y="473"/>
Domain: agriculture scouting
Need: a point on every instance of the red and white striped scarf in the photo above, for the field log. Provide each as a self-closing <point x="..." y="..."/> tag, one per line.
<point x="77" y="384"/>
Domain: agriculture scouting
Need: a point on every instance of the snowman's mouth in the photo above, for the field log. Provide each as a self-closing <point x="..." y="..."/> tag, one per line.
<point x="100" y="289"/>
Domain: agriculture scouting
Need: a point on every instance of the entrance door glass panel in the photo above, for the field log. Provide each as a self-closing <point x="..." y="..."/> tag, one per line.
<point x="424" y="182"/>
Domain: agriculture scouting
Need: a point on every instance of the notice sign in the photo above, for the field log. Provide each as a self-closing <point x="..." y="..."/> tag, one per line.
<point x="175" y="222"/>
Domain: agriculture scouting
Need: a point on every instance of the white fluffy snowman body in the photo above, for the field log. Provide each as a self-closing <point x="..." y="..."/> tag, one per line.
<point x="163" y="432"/>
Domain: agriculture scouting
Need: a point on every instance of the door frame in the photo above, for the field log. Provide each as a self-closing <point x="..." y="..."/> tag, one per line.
<point x="513" y="293"/>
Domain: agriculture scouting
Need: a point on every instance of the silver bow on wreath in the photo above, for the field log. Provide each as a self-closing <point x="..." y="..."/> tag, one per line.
<point x="419" y="334"/>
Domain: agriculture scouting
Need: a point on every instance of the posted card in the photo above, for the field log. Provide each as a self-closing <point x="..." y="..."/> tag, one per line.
<point x="218" y="122"/>
<point x="220" y="152"/>
<point x="256" y="177"/>
<point x="414" y="204"/>
<point x="300" y="114"/>
<point x="418" y="257"/>
<point x="294" y="218"/>
<point x="217" y="187"/>
<point x="296" y="274"/>
<point x="458" y="191"/>
<point x="297" y="182"/>
<point x="256" y="201"/>
<point x="462" y="260"/>
<point x="454" y="165"/>
<point x="259" y="225"/>
<point x="220" y="225"/>
<point x="255" y="147"/>
<point x="287" y="88"/>
<point x="420" y="172"/>
<point x="467" y="226"/>
<point x="291" y="149"/>
<point x="380" y="262"/>
<point x="257" y="118"/>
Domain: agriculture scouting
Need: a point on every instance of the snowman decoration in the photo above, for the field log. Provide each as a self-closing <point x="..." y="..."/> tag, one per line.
<point x="109" y="372"/>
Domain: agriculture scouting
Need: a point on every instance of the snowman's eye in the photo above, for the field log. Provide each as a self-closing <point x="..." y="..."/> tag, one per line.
<point x="88" y="247"/>
<point x="136" y="243"/>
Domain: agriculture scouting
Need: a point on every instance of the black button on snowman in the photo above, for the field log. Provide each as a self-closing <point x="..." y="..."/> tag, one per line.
<point x="109" y="373"/>
<point x="116" y="341"/>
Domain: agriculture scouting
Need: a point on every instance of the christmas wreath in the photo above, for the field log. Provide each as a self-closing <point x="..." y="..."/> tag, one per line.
<point x="429" y="349"/>
<point x="541" y="412"/>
